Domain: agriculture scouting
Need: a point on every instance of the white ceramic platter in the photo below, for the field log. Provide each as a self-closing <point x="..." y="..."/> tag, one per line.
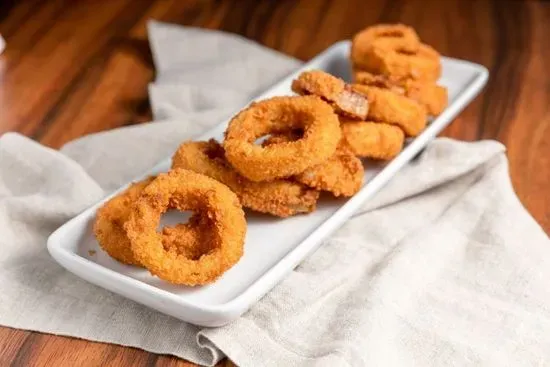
<point x="273" y="246"/>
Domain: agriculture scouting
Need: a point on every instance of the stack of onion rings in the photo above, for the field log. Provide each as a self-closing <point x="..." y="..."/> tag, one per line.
<point x="313" y="144"/>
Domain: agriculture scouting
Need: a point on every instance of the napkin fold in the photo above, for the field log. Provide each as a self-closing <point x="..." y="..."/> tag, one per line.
<point x="443" y="267"/>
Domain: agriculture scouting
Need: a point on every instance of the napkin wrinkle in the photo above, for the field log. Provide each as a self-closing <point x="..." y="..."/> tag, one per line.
<point x="174" y="48"/>
<point x="190" y="103"/>
<point x="450" y="163"/>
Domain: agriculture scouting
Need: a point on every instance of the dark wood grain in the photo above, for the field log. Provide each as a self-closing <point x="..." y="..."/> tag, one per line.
<point x="77" y="67"/>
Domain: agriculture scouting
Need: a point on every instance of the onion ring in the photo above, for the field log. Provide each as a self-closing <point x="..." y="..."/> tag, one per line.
<point x="432" y="96"/>
<point x="112" y="238"/>
<point x="372" y="139"/>
<point x="333" y="90"/>
<point x="275" y="115"/>
<point x="394" y="35"/>
<point x="389" y="107"/>
<point x="342" y="174"/>
<point x="281" y="198"/>
<point x="186" y="190"/>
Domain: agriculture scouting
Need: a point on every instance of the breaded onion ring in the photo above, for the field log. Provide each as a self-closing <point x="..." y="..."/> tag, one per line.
<point x="112" y="238"/>
<point x="342" y="174"/>
<point x="281" y="198"/>
<point x="333" y="90"/>
<point x="186" y="190"/>
<point x="396" y="35"/>
<point x="275" y="115"/>
<point x="369" y="139"/>
<point x="424" y="64"/>
<point x="432" y="96"/>
<point x="391" y="108"/>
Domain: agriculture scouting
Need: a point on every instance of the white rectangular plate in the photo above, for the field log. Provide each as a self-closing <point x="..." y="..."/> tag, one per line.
<point x="273" y="246"/>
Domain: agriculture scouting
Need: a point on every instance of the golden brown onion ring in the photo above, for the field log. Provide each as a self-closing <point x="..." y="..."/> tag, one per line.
<point x="112" y="238"/>
<point x="387" y="35"/>
<point x="276" y="115"/>
<point x="185" y="190"/>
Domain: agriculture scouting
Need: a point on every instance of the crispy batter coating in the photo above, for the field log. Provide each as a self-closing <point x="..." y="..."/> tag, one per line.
<point x="192" y="239"/>
<point x="370" y="139"/>
<point x="186" y="190"/>
<point x="395" y="35"/>
<point x="112" y="238"/>
<point x="342" y="174"/>
<point x="391" y="108"/>
<point x="333" y="90"/>
<point x="432" y="96"/>
<point x="424" y="64"/>
<point x="280" y="197"/>
<point x="276" y="115"/>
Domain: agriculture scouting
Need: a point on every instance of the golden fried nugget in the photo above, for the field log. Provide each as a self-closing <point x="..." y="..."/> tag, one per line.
<point x="333" y="90"/>
<point x="370" y="139"/>
<point x="391" y="108"/>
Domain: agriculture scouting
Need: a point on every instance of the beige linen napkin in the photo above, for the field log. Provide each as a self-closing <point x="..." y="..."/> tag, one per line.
<point x="443" y="267"/>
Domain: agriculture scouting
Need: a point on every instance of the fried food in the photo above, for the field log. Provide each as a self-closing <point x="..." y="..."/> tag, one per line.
<point x="280" y="197"/>
<point x="342" y="174"/>
<point x="186" y="190"/>
<point x="276" y="115"/>
<point x="423" y="64"/>
<point x="333" y="90"/>
<point x="112" y="238"/>
<point x="370" y="139"/>
<point x="391" y="108"/>
<point x="387" y="35"/>
<point x="432" y="96"/>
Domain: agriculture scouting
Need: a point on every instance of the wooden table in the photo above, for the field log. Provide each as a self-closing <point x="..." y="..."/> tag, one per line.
<point x="77" y="67"/>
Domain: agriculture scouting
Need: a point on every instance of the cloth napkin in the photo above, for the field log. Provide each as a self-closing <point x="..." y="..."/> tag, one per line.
<point x="443" y="267"/>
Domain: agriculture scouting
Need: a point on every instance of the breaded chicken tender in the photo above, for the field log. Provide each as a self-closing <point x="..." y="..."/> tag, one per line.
<point x="370" y="139"/>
